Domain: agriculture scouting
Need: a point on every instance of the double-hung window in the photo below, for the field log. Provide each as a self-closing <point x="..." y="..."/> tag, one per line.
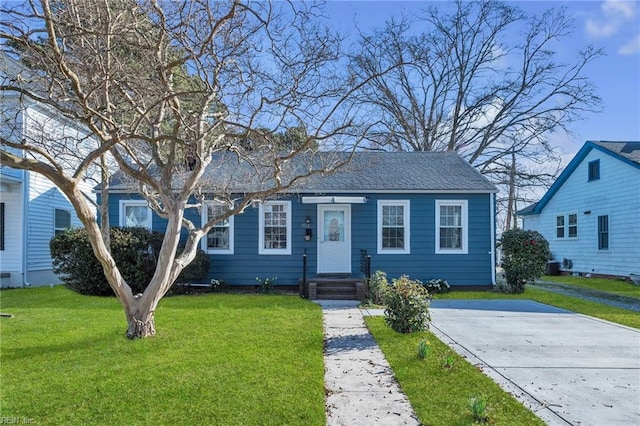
<point x="560" y="226"/>
<point x="594" y="170"/>
<point x="61" y="220"/>
<point x="219" y="239"/>
<point x="135" y="213"/>
<point x="452" y="226"/>
<point x="275" y="228"/>
<point x="572" y="221"/>
<point x="567" y="226"/>
<point x="393" y="226"/>
<point x="603" y="232"/>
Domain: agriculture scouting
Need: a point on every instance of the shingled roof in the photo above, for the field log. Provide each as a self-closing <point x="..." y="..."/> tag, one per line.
<point x="628" y="150"/>
<point x="366" y="172"/>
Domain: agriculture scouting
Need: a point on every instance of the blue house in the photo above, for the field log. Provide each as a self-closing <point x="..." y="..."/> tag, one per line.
<point x="423" y="214"/>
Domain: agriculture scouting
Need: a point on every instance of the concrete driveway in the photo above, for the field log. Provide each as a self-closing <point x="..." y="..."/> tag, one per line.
<point x="568" y="368"/>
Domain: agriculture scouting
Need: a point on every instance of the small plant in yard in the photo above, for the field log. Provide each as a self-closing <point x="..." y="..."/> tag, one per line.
<point x="437" y="285"/>
<point x="525" y="257"/>
<point x="407" y="306"/>
<point x="448" y="360"/>
<point x="478" y="406"/>
<point x="266" y="285"/>
<point x="217" y="286"/>
<point x="423" y="349"/>
<point x="378" y="288"/>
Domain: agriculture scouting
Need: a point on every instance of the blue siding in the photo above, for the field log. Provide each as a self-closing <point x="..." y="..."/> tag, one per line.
<point x="242" y="268"/>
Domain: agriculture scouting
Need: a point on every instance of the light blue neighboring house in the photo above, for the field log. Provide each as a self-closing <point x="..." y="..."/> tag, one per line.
<point x="32" y="208"/>
<point x="423" y="214"/>
<point x="590" y="215"/>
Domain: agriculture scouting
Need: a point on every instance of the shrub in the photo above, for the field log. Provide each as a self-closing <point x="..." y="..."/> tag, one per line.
<point x="437" y="285"/>
<point x="378" y="288"/>
<point x="134" y="251"/>
<point x="525" y="257"/>
<point x="266" y="285"/>
<point x="407" y="306"/>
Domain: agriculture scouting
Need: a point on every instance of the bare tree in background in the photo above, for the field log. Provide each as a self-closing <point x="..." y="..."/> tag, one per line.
<point x="479" y="78"/>
<point x="161" y="86"/>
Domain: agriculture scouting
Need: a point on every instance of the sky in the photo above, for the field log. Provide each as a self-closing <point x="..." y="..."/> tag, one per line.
<point x="612" y="25"/>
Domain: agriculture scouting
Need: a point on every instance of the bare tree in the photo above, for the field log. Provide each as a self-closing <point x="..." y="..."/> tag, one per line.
<point x="471" y="80"/>
<point x="161" y="87"/>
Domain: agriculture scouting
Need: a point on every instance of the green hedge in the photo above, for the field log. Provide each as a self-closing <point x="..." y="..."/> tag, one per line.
<point x="134" y="251"/>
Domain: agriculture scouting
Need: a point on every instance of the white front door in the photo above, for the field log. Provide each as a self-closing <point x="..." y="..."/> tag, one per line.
<point x="334" y="238"/>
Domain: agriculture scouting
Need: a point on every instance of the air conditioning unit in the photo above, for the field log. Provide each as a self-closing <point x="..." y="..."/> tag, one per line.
<point x="567" y="263"/>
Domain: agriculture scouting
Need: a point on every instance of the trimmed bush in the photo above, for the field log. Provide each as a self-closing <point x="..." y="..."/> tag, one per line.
<point x="407" y="306"/>
<point x="437" y="285"/>
<point x="378" y="288"/>
<point x="134" y="251"/>
<point x="525" y="257"/>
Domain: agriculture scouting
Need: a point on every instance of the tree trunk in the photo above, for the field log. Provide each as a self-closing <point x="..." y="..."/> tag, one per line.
<point x="141" y="324"/>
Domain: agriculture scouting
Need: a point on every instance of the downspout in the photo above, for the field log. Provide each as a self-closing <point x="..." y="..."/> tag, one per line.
<point x="25" y="222"/>
<point x="492" y="208"/>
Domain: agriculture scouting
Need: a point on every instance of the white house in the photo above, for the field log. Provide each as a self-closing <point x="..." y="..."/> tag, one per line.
<point x="591" y="214"/>
<point x="32" y="208"/>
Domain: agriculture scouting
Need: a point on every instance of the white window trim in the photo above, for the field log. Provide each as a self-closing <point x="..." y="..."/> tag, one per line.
<point x="407" y="229"/>
<point x="54" y="220"/>
<point x="203" y="242"/>
<point x="464" y="222"/>
<point x="125" y="203"/>
<point x="261" y="249"/>
<point x="566" y="226"/>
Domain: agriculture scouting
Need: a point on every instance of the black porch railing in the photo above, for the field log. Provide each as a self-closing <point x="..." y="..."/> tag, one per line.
<point x="365" y="264"/>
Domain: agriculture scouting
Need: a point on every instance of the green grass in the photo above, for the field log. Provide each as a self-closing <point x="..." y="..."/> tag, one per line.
<point x="216" y="359"/>
<point x="619" y="287"/>
<point x="439" y="395"/>
<point x="598" y="310"/>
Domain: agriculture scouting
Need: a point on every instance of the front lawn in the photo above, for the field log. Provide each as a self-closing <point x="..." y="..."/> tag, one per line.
<point x="217" y="359"/>
<point x="619" y="287"/>
<point x="439" y="391"/>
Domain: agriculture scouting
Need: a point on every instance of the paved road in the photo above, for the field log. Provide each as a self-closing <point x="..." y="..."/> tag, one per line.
<point x="568" y="368"/>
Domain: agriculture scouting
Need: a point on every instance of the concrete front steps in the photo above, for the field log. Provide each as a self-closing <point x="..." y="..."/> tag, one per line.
<point x="336" y="288"/>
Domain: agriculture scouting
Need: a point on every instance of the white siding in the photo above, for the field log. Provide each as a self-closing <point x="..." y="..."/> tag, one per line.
<point x="65" y="143"/>
<point x="11" y="256"/>
<point x="10" y="113"/>
<point x="616" y="194"/>
<point x="44" y="196"/>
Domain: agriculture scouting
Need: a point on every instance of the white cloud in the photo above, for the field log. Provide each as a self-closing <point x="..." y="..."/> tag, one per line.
<point x="616" y="14"/>
<point x="616" y="8"/>
<point x="630" y="48"/>
<point x="600" y="29"/>
<point x="620" y="18"/>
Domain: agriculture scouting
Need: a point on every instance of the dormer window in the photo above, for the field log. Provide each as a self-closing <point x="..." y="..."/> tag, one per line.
<point x="594" y="170"/>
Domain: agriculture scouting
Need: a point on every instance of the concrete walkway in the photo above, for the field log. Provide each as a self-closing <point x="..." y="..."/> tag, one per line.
<point x="360" y="386"/>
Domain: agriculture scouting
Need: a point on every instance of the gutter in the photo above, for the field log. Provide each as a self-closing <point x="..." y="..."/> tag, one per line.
<point x="25" y="207"/>
<point x="492" y="208"/>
